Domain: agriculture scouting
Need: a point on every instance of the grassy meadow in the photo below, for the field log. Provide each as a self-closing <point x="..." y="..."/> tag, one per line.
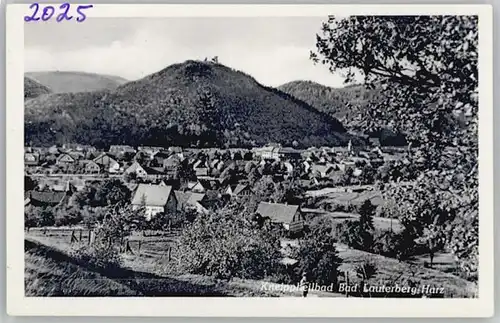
<point x="50" y="271"/>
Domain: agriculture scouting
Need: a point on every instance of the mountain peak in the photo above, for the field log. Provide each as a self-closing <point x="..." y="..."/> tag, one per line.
<point x="196" y="104"/>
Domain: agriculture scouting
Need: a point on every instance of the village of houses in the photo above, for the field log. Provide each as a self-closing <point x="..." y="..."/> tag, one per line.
<point x="151" y="174"/>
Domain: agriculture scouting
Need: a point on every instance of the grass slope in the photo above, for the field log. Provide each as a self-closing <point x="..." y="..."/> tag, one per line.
<point x="152" y="261"/>
<point x="48" y="274"/>
<point x="51" y="272"/>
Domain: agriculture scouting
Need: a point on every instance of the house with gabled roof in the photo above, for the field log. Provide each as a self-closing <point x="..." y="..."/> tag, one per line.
<point x="171" y="163"/>
<point x="91" y="167"/>
<point x="107" y="162"/>
<point x="77" y="155"/>
<point x="289" y="216"/>
<point x="65" y="159"/>
<point x="159" y="157"/>
<point x="175" y="149"/>
<point x="136" y="169"/>
<point x="45" y="198"/>
<point x="150" y="150"/>
<point x="190" y="201"/>
<point x="196" y="187"/>
<point x="53" y="150"/>
<point x="322" y="171"/>
<point x="200" y="167"/>
<point x="31" y="159"/>
<point x="290" y="153"/>
<point x="65" y="186"/>
<point x="238" y="190"/>
<point x="141" y="156"/>
<point x="155" y="173"/>
<point x="268" y="152"/>
<point x="155" y="199"/>
<point x="118" y="150"/>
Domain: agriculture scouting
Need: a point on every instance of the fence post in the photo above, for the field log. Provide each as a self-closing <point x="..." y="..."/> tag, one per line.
<point x="73" y="237"/>
<point x="169" y="253"/>
<point x="139" y="249"/>
<point x="127" y="248"/>
<point x="80" y="235"/>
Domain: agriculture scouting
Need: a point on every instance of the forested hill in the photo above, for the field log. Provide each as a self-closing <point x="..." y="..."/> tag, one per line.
<point x="346" y="104"/>
<point x="189" y="104"/>
<point x="72" y="82"/>
<point x="32" y="88"/>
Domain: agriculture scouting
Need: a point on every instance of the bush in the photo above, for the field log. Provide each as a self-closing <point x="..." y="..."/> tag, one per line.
<point x="397" y="245"/>
<point x="225" y="245"/>
<point x="366" y="270"/>
<point x="318" y="256"/>
<point x="31" y="216"/>
<point x="90" y="217"/>
<point x="360" y="234"/>
<point x="68" y="216"/>
<point x="98" y="256"/>
<point x="38" y="217"/>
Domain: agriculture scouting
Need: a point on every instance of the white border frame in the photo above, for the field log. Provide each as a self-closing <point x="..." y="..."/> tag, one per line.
<point x="17" y="304"/>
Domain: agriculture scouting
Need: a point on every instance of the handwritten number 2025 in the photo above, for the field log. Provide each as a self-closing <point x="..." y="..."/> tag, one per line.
<point x="48" y="12"/>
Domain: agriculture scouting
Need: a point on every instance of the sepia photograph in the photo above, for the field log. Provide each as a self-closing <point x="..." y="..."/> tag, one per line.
<point x="321" y="156"/>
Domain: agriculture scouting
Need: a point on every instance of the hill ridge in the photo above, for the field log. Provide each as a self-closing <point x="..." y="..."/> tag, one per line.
<point x="193" y="103"/>
<point x="75" y="81"/>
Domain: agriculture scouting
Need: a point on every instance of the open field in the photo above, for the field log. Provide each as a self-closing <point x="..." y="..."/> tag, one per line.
<point x="384" y="224"/>
<point x="354" y="194"/>
<point x="152" y="260"/>
<point x="338" y="195"/>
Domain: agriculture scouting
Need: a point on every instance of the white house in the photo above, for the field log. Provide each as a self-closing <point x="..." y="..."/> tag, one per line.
<point x="137" y="169"/>
<point x="155" y="198"/>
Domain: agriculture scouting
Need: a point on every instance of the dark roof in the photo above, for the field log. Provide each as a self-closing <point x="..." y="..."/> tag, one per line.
<point x="162" y="154"/>
<point x="288" y="150"/>
<point x="154" y="170"/>
<point x="239" y="188"/>
<point x="46" y="197"/>
<point x="280" y="213"/>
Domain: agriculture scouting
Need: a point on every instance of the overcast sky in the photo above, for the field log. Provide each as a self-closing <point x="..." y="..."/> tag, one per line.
<point x="273" y="50"/>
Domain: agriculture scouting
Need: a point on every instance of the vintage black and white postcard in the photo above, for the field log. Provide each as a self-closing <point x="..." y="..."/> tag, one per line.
<point x="249" y="160"/>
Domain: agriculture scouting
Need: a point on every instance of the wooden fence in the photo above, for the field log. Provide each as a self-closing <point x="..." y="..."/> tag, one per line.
<point x="152" y="243"/>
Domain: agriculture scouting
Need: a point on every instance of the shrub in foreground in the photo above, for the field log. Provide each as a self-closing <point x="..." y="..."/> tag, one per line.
<point x="98" y="256"/>
<point x="225" y="245"/>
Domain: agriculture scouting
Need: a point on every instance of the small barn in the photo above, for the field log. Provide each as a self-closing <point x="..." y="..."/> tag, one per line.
<point x="44" y="199"/>
<point x="289" y="216"/>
